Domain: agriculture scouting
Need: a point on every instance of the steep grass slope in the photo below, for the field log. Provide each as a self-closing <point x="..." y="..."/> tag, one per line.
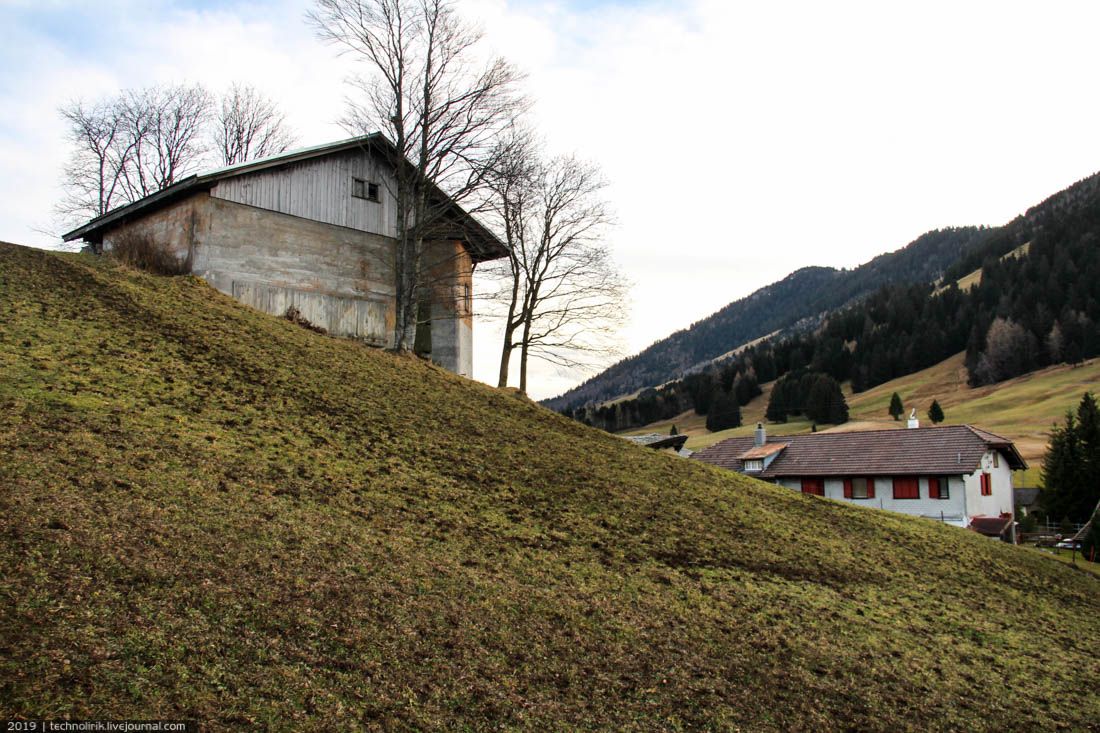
<point x="214" y="514"/>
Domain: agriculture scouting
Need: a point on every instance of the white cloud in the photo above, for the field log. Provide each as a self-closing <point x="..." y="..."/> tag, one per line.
<point x="742" y="140"/>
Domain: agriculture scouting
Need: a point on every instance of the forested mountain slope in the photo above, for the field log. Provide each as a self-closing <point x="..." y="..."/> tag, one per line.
<point x="1035" y="302"/>
<point x="214" y="514"/>
<point x="804" y="294"/>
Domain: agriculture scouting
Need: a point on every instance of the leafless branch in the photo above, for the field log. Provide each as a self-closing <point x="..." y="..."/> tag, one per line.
<point x="425" y="88"/>
<point x="248" y="125"/>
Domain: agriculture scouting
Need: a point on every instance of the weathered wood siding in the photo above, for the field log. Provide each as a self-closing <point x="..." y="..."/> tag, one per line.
<point x="321" y="190"/>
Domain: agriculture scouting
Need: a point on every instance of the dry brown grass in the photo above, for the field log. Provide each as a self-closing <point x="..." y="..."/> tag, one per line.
<point x="143" y="251"/>
<point x="211" y="513"/>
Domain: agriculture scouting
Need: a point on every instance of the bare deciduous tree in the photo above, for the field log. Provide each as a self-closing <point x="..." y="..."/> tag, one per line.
<point x="443" y="109"/>
<point x="164" y="126"/>
<point x="1009" y="351"/>
<point x="101" y="152"/>
<point x="563" y="293"/>
<point x="248" y="125"/>
<point x="131" y="145"/>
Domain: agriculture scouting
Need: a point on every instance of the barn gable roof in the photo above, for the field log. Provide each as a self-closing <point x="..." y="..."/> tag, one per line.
<point x="951" y="449"/>
<point x="456" y="223"/>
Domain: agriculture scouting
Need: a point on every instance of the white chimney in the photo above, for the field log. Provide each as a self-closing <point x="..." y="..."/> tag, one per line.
<point x="913" y="421"/>
<point x="759" y="437"/>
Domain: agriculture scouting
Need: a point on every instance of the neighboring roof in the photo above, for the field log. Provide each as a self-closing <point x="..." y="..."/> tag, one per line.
<point x="1025" y="497"/>
<point x="458" y="224"/>
<point x="949" y="449"/>
<point x="990" y="526"/>
<point x="762" y="451"/>
<point x="659" y="440"/>
<point x="1080" y="536"/>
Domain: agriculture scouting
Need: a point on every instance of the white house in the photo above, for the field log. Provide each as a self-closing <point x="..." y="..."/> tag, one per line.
<point x="958" y="474"/>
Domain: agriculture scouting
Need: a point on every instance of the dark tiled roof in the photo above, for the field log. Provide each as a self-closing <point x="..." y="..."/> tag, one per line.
<point x="990" y="526"/>
<point x="949" y="449"/>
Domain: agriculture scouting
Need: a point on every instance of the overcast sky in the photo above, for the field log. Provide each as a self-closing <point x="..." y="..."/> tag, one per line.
<point x="742" y="140"/>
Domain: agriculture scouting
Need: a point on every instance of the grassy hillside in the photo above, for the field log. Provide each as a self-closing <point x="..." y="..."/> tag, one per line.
<point x="214" y="514"/>
<point x="974" y="277"/>
<point x="1023" y="408"/>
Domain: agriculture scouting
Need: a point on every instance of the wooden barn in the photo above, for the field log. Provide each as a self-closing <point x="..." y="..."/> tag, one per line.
<point x="313" y="230"/>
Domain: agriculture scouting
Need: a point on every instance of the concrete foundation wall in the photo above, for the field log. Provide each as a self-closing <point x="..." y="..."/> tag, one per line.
<point x="449" y="275"/>
<point x="172" y="228"/>
<point x="338" y="278"/>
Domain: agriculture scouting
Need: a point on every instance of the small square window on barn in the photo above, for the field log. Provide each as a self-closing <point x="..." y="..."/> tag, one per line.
<point x="906" y="488"/>
<point x="938" y="488"/>
<point x="362" y="189"/>
<point x="859" y="487"/>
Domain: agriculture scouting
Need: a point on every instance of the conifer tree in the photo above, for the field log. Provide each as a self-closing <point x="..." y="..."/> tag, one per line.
<point x="935" y="412"/>
<point x="1070" y="489"/>
<point x="724" y="412"/>
<point x="896" y="408"/>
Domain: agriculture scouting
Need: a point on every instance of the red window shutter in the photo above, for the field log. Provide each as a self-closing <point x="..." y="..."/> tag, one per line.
<point x="987" y="485"/>
<point x="906" y="488"/>
<point x="813" y="486"/>
<point x="847" y="488"/>
<point x="871" y="487"/>
<point x="933" y="488"/>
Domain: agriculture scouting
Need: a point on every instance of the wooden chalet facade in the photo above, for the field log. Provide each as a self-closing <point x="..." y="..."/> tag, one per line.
<point x="314" y="230"/>
<point x="956" y="474"/>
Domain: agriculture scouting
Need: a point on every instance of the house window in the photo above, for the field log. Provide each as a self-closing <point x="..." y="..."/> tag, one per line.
<point x="754" y="465"/>
<point x="939" y="488"/>
<point x="987" y="484"/>
<point x="859" y="487"/>
<point x="996" y="459"/>
<point x="906" y="488"/>
<point x="362" y="189"/>
<point x="815" y="486"/>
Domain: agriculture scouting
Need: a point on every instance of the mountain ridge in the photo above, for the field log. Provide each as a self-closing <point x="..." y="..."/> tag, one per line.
<point x="801" y="297"/>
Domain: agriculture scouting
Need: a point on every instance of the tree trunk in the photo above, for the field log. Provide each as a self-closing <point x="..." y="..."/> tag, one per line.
<point x="523" y="356"/>
<point x="505" y="357"/>
<point x="509" y="331"/>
